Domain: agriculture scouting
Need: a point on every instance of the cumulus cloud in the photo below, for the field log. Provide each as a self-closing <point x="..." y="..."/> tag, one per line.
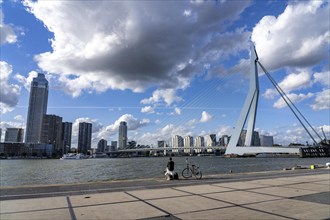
<point x="322" y="77"/>
<point x="9" y="93"/>
<point x="167" y="96"/>
<point x="206" y="117"/>
<point x="148" y="109"/>
<point x="295" y="98"/>
<point x="132" y="124"/>
<point x="19" y="118"/>
<point x="322" y="100"/>
<point x="26" y="81"/>
<point x="292" y="39"/>
<point x="136" y="44"/>
<point x="6" y="31"/>
<point x="291" y="82"/>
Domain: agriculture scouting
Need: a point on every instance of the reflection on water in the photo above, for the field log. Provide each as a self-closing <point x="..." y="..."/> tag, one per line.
<point x="34" y="172"/>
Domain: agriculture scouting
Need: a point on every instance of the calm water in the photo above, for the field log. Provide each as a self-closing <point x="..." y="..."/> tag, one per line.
<point x="35" y="172"/>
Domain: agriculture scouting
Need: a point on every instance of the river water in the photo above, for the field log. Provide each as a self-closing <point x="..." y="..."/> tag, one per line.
<point x="51" y="171"/>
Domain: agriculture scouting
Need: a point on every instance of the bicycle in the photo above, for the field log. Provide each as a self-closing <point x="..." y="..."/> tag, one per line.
<point x="189" y="171"/>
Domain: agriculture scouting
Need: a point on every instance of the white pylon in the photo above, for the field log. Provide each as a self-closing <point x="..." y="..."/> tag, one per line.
<point x="249" y="108"/>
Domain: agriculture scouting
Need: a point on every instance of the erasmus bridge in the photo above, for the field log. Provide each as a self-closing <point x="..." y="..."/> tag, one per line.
<point x="248" y="114"/>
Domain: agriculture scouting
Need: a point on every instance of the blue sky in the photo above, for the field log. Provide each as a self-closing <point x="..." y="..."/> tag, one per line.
<point x="166" y="68"/>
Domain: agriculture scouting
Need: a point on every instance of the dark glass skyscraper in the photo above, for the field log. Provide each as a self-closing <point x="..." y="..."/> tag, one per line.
<point x="66" y="136"/>
<point x="37" y="108"/>
<point x="84" y="137"/>
<point x="51" y="132"/>
<point x="122" y="137"/>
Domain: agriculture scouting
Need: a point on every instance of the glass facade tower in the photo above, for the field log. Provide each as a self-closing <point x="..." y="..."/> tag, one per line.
<point x="122" y="137"/>
<point x="37" y="108"/>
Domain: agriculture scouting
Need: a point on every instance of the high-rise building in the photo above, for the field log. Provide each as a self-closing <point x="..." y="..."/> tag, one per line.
<point x="0" y="134"/>
<point x="122" y="137"/>
<point x="224" y="140"/>
<point x="51" y="132"/>
<point x="211" y="140"/>
<point x="266" y="141"/>
<point x="199" y="144"/>
<point x="37" y="108"/>
<point x="14" y="135"/>
<point x="113" y="146"/>
<point x="66" y="136"/>
<point x="177" y="141"/>
<point x="84" y="137"/>
<point x="101" y="146"/>
<point x="188" y="143"/>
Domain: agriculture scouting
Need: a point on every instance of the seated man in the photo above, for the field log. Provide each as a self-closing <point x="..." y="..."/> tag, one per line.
<point x="170" y="169"/>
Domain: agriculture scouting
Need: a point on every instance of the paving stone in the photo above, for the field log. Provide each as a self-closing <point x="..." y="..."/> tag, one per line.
<point x="229" y="213"/>
<point x="323" y="198"/>
<point x="239" y="185"/>
<point x="294" y="209"/>
<point x="241" y="197"/>
<point x="272" y="182"/>
<point x="128" y="210"/>
<point x="94" y="199"/>
<point x="187" y="204"/>
<point x="32" y="204"/>
<point x="202" y="189"/>
<point x="62" y="213"/>
<point x="311" y="186"/>
<point x="157" y="193"/>
<point x="282" y="191"/>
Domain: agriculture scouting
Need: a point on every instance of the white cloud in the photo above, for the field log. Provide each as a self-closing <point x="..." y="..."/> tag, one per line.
<point x="322" y="77"/>
<point x="148" y="109"/>
<point x="292" y="39"/>
<point x="129" y="47"/>
<point x="9" y="93"/>
<point x="132" y="124"/>
<point x="19" y="118"/>
<point x="295" y="98"/>
<point x="322" y="100"/>
<point x="177" y="111"/>
<point x="291" y="82"/>
<point x="6" y="31"/>
<point x="26" y="81"/>
<point x="206" y="117"/>
<point x="167" y="96"/>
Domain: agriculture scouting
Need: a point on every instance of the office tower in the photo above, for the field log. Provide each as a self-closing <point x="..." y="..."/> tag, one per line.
<point x="224" y="140"/>
<point x="113" y="146"/>
<point x="211" y="140"/>
<point x="37" y="108"/>
<point x="101" y="146"/>
<point x="199" y="144"/>
<point x="255" y="139"/>
<point x="66" y="136"/>
<point x="161" y="144"/>
<point x="14" y="135"/>
<point x="122" y="137"/>
<point x="177" y="141"/>
<point x="51" y="132"/>
<point x="0" y="134"/>
<point x="188" y="143"/>
<point x="266" y="141"/>
<point x="84" y="137"/>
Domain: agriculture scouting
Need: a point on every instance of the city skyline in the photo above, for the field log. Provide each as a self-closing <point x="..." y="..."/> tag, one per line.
<point x="186" y="75"/>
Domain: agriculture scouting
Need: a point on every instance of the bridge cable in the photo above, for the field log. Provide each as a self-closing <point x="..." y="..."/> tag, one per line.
<point x="286" y="99"/>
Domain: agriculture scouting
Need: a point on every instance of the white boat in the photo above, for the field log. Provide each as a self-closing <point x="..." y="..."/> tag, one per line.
<point x="72" y="156"/>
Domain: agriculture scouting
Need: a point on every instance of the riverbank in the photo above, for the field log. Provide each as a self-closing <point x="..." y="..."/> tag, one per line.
<point x="293" y="194"/>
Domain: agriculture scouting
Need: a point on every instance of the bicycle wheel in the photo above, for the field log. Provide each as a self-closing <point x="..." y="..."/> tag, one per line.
<point x="198" y="174"/>
<point x="186" y="173"/>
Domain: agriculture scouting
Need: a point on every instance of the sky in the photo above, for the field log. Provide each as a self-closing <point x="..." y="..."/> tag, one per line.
<point x="166" y="67"/>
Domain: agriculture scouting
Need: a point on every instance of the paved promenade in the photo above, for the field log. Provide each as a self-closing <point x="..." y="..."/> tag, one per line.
<point x="269" y="195"/>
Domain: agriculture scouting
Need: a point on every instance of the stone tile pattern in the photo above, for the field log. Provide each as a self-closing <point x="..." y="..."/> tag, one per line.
<point x="272" y="198"/>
